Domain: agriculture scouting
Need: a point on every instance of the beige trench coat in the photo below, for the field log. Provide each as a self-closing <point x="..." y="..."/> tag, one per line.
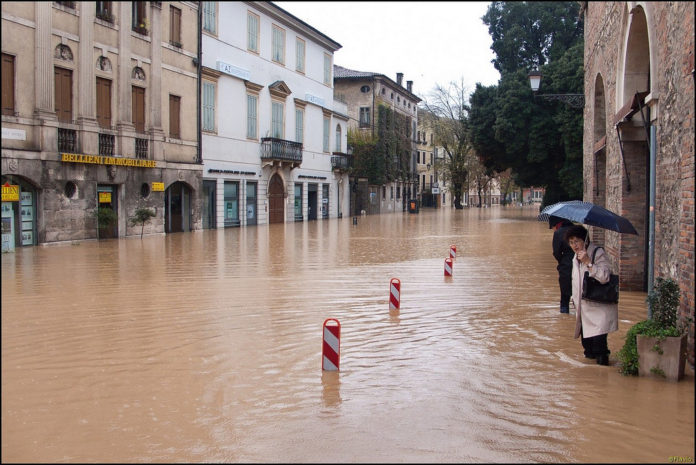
<point x="594" y="318"/>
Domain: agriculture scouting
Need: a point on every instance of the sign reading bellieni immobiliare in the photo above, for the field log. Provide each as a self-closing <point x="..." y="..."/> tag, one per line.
<point x="103" y="160"/>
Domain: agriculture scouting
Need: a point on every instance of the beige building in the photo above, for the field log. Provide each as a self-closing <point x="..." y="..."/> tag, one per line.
<point x="431" y="189"/>
<point x="99" y="113"/>
<point x="364" y="93"/>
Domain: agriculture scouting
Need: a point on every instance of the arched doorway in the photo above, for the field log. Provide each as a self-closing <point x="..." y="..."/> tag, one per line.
<point x="634" y="188"/>
<point x="276" y="200"/>
<point x="177" y="208"/>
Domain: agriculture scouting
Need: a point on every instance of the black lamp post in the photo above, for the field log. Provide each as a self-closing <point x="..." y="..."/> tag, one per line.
<point x="572" y="100"/>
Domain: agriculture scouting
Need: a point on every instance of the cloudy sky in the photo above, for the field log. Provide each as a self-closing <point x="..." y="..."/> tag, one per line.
<point x="430" y="42"/>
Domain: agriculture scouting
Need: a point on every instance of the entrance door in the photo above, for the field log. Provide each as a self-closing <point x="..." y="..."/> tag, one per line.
<point x="312" y="201"/>
<point x="208" y="211"/>
<point x="176" y="206"/>
<point x="276" y="200"/>
<point x="107" y="213"/>
<point x="250" y="203"/>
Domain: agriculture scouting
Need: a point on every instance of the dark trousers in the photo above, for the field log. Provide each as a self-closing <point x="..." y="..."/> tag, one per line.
<point x="565" y="284"/>
<point x="595" y="346"/>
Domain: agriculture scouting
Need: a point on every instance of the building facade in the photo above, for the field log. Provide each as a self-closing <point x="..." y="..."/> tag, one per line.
<point x="99" y="115"/>
<point x="364" y="93"/>
<point x="638" y="139"/>
<point x="429" y="191"/>
<point x="274" y="139"/>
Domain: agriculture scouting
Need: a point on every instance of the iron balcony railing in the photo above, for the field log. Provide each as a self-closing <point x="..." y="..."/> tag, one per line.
<point x="107" y="142"/>
<point x="341" y="161"/>
<point x="141" y="148"/>
<point x="67" y="140"/>
<point x="282" y="150"/>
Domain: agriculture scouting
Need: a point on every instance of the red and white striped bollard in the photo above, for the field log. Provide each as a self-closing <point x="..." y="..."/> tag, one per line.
<point x="394" y="294"/>
<point x="448" y="267"/>
<point x="453" y="251"/>
<point x="331" y="346"/>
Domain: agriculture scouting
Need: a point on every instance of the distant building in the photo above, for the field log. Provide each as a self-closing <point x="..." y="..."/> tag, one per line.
<point x="364" y="93"/>
<point x="432" y="192"/>
<point x="274" y="139"/>
<point x="99" y="112"/>
<point x="638" y="127"/>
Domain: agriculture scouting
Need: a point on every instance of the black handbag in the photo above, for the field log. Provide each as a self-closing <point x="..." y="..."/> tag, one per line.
<point x="592" y="289"/>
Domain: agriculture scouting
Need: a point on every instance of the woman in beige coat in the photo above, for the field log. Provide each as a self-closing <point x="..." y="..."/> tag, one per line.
<point x="593" y="320"/>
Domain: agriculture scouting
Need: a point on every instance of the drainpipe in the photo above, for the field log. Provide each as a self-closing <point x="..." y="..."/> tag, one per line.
<point x="651" y="215"/>
<point x="199" y="155"/>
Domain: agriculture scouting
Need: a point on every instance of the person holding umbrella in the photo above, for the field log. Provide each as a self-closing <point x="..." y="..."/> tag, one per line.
<point x="564" y="256"/>
<point x="593" y="320"/>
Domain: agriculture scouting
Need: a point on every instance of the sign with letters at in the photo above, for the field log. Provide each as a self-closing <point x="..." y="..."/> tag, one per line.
<point x="105" y="197"/>
<point x="10" y="193"/>
<point x="157" y="186"/>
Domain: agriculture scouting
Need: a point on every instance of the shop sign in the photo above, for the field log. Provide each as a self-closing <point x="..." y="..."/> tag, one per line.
<point x="10" y="193"/>
<point x="16" y="134"/>
<point x="157" y="186"/>
<point x="101" y="160"/>
<point x="436" y="190"/>
<point x="105" y="197"/>
<point x="314" y="99"/>
<point x="232" y="70"/>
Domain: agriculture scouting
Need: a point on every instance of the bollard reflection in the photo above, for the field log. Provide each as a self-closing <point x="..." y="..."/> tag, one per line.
<point x="331" y="388"/>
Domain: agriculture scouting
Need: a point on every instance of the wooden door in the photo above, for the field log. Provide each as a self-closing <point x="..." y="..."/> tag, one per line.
<point x="276" y="200"/>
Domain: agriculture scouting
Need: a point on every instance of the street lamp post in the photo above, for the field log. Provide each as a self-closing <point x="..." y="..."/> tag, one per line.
<point x="572" y="100"/>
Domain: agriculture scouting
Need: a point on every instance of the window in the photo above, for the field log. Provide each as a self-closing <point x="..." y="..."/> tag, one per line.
<point x="366" y="89"/>
<point x="384" y="192"/>
<point x="337" y="147"/>
<point x="138" y="94"/>
<point x="299" y="126"/>
<point x="277" y="120"/>
<point x="391" y="196"/>
<point x="364" y="117"/>
<point x="105" y="11"/>
<point x="209" y="17"/>
<point x="278" y="45"/>
<point x="174" y="116"/>
<point x="326" y="134"/>
<point x="382" y="90"/>
<point x="252" y="102"/>
<point x="298" y="202"/>
<point x="175" y="26"/>
<point x="208" y="110"/>
<point x="300" y="55"/>
<point x="63" y="97"/>
<point x="8" y="84"/>
<point x="327" y="69"/>
<point x="104" y="103"/>
<point x="140" y="23"/>
<point x="231" y="204"/>
<point x="252" y="32"/>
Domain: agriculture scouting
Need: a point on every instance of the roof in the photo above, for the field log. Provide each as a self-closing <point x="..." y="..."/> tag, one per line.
<point x="350" y="74"/>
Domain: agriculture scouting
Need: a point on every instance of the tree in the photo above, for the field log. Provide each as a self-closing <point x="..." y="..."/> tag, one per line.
<point x="141" y="217"/>
<point x="449" y="120"/>
<point x="540" y="140"/>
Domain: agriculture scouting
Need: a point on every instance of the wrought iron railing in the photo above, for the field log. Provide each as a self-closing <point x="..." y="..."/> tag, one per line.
<point x="141" y="148"/>
<point x="280" y="149"/>
<point x="340" y="161"/>
<point x="67" y="140"/>
<point x="106" y="144"/>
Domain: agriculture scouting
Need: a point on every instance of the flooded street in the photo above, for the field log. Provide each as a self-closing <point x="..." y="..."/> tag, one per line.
<point x="206" y="347"/>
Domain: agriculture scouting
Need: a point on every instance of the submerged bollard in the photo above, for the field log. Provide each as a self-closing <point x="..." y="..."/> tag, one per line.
<point x="394" y="294"/>
<point x="453" y="251"/>
<point x="331" y="346"/>
<point x="448" y="267"/>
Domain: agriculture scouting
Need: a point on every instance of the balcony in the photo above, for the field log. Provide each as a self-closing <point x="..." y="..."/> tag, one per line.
<point x="279" y="152"/>
<point x="107" y="142"/>
<point x="67" y="140"/>
<point x="141" y="148"/>
<point x="341" y="161"/>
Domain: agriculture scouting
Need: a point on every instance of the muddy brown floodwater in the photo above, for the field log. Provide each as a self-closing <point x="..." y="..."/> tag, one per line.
<point x="206" y="347"/>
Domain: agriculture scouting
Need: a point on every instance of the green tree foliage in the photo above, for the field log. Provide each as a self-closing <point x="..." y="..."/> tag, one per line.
<point x="141" y="217"/>
<point x="540" y="140"/>
<point x="366" y="163"/>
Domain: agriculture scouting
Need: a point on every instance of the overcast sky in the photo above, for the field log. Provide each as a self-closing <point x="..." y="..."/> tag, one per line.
<point x="430" y="42"/>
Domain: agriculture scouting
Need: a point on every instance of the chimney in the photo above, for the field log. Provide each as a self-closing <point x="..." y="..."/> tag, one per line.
<point x="399" y="78"/>
<point x="409" y="86"/>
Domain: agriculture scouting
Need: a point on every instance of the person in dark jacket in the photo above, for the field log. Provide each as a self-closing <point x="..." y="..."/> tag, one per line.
<point x="564" y="256"/>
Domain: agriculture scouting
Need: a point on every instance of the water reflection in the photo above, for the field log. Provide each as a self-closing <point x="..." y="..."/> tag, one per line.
<point x="206" y="346"/>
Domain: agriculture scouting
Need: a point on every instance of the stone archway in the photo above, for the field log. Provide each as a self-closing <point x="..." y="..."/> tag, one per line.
<point x="276" y="200"/>
<point x="632" y="188"/>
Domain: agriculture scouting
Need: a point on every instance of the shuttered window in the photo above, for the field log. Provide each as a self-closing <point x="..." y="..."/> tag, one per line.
<point x="326" y="134"/>
<point x="277" y="120"/>
<point x="208" y="106"/>
<point x="175" y="26"/>
<point x="8" y="84"/>
<point x="251" y="116"/>
<point x="278" y="45"/>
<point x="174" y="109"/>
<point x="300" y="56"/>
<point x="337" y="147"/>
<point x="209" y="17"/>
<point x="299" y="126"/>
<point x="138" y="95"/>
<point x="252" y="32"/>
<point x="63" y="88"/>
<point x="327" y="69"/>
<point x="104" y="103"/>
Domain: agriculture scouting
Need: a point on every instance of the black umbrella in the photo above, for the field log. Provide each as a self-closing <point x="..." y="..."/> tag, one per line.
<point x="589" y="214"/>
